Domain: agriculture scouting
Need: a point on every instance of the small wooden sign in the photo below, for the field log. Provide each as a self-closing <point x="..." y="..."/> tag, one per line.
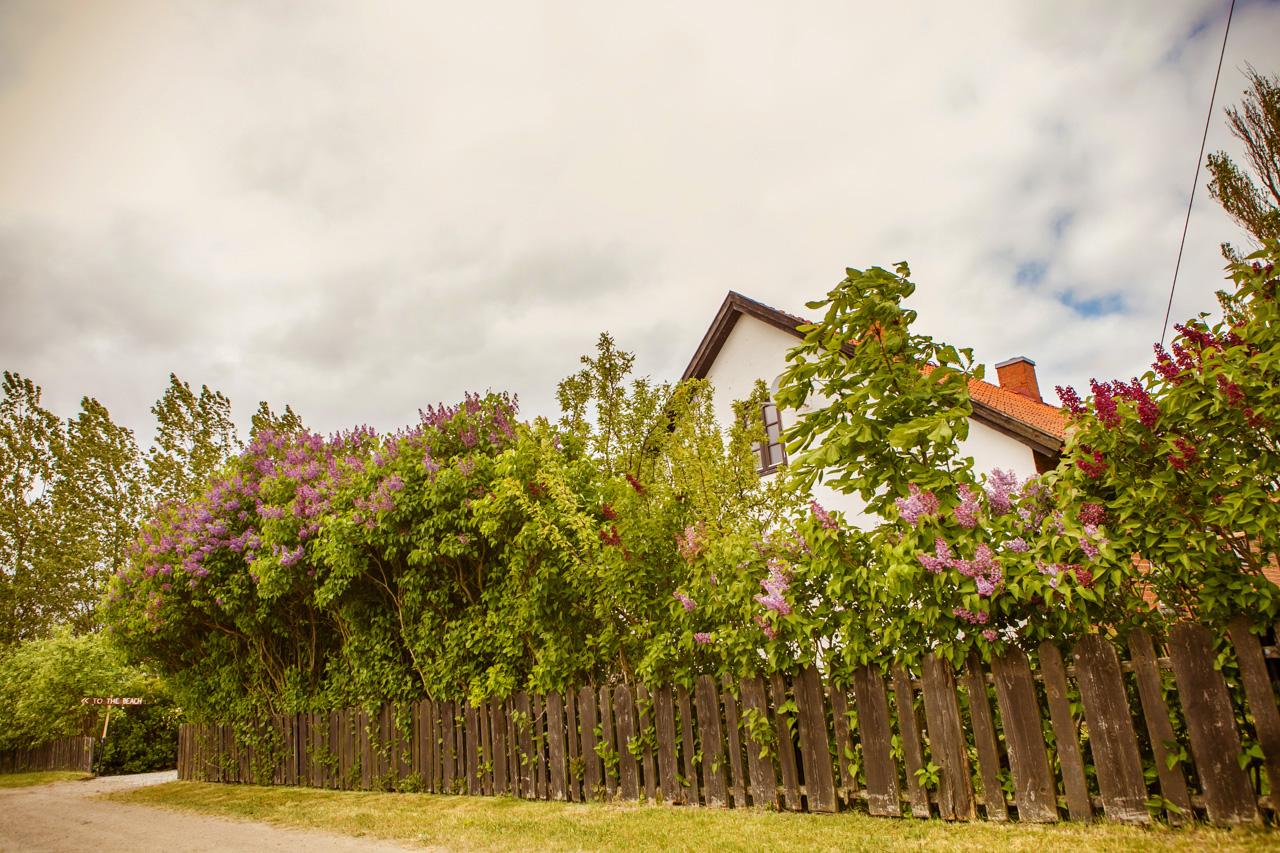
<point x="110" y="700"/>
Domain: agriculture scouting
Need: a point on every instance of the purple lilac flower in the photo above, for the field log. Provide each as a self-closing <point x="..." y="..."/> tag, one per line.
<point x="702" y="639"/>
<point x="685" y="600"/>
<point x="1000" y="485"/>
<point x="917" y="505"/>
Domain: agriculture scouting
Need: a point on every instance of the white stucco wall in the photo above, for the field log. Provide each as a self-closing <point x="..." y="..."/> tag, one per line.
<point x="756" y="350"/>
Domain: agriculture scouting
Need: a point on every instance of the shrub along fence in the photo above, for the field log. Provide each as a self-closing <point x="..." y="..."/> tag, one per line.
<point x="68" y="753"/>
<point x="1152" y="736"/>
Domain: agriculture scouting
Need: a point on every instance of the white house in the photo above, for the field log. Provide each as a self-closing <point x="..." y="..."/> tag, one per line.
<point x="1011" y="428"/>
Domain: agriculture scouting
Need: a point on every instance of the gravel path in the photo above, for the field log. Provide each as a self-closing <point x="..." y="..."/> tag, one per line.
<point x="66" y="816"/>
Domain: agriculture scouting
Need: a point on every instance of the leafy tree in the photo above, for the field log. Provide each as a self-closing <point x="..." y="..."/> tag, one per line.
<point x="892" y="405"/>
<point x="32" y="599"/>
<point x="72" y="495"/>
<point x="98" y="496"/>
<point x="194" y="436"/>
<point x="265" y="420"/>
<point x="1254" y="206"/>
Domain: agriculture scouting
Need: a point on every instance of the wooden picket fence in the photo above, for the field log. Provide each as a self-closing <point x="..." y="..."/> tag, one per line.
<point x="792" y="743"/>
<point x="68" y="753"/>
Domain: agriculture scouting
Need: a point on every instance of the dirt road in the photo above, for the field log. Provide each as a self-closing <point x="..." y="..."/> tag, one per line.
<point x="66" y="816"/>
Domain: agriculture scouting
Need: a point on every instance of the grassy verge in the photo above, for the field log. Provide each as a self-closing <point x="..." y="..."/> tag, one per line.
<point x="25" y="780"/>
<point x="475" y="823"/>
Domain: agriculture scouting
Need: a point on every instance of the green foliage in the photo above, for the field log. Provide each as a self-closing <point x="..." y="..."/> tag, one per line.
<point x="890" y="405"/>
<point x="41" y="685"/>
<point x="1185" y="459"/>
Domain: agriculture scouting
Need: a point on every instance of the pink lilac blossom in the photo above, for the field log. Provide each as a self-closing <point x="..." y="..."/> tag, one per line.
<point x="979" y="618"/>
<point x="685" y="600"/>
<point x="989" y="635"/>
<point x="825" y="518"/>
<point x="702" y="639"/>
<point x="691" y="543"/>
<point x="941" y="561"/>
<point x="966" y="514"/>
<point x="775" y="586"/>
<point x="918" y="504"/>
<point x="1018" y="545"/>
<point x="766" y="627"/>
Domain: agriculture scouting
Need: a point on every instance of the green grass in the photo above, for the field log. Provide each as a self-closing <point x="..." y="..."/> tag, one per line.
<point x="475" y="823"/>
<point x="26" y="780"/>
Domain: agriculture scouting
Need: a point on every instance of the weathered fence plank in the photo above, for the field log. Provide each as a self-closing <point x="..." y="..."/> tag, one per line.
<point x="844" y="744"/>
<point x="815" y="742"/>
<point x="1261" y="697"/>
<point x="557" y="788"/>
<point x="946" y="740"/>
<point x="1211" y="726"/>
<point x="785" y="725"/>
<point x="539" y="747"/>
<point x="501" y="746"/>
<point x="488" y="768"/>
<point x="524" y="738"/>
<point x="984" y="739"/>
<point x="644" y="726"/>
<point x="512" y="756"/>
<point x="575" y="760"/>
<point x="593" y="776"/>
<point x="687" y="749"/>
<point x="709" y="738"/>
<point x="1065" y="737"/>
<point x="738" y="784"/>
<point x="628" y="766"/>
<point x="1034" y="788"/>
<point x="446" y="748"/>
<point x="904" y="699"/>
<point x="1111" y="735"/>
<point x="474" y="787"/>
<point x="609" y="738"/>
<point x="872" y="705"/>
<point x="1173" y="785"/>
<point x="665" y="724"/>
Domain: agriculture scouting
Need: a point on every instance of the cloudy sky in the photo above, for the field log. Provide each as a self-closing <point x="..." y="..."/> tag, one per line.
<point x="361" y="208"/>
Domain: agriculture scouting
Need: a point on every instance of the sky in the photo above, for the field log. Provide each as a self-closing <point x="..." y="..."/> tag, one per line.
<point x="360" y="209"/>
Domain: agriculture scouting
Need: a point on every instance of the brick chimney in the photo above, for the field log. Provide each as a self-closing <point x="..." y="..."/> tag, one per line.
<point x="1019" y="376"/>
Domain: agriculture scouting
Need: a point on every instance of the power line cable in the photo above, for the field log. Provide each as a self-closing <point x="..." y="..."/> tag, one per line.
<point x="1169" y="308"/>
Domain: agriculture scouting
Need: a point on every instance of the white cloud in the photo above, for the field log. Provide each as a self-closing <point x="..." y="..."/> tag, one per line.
<point x="362" y="209"/>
